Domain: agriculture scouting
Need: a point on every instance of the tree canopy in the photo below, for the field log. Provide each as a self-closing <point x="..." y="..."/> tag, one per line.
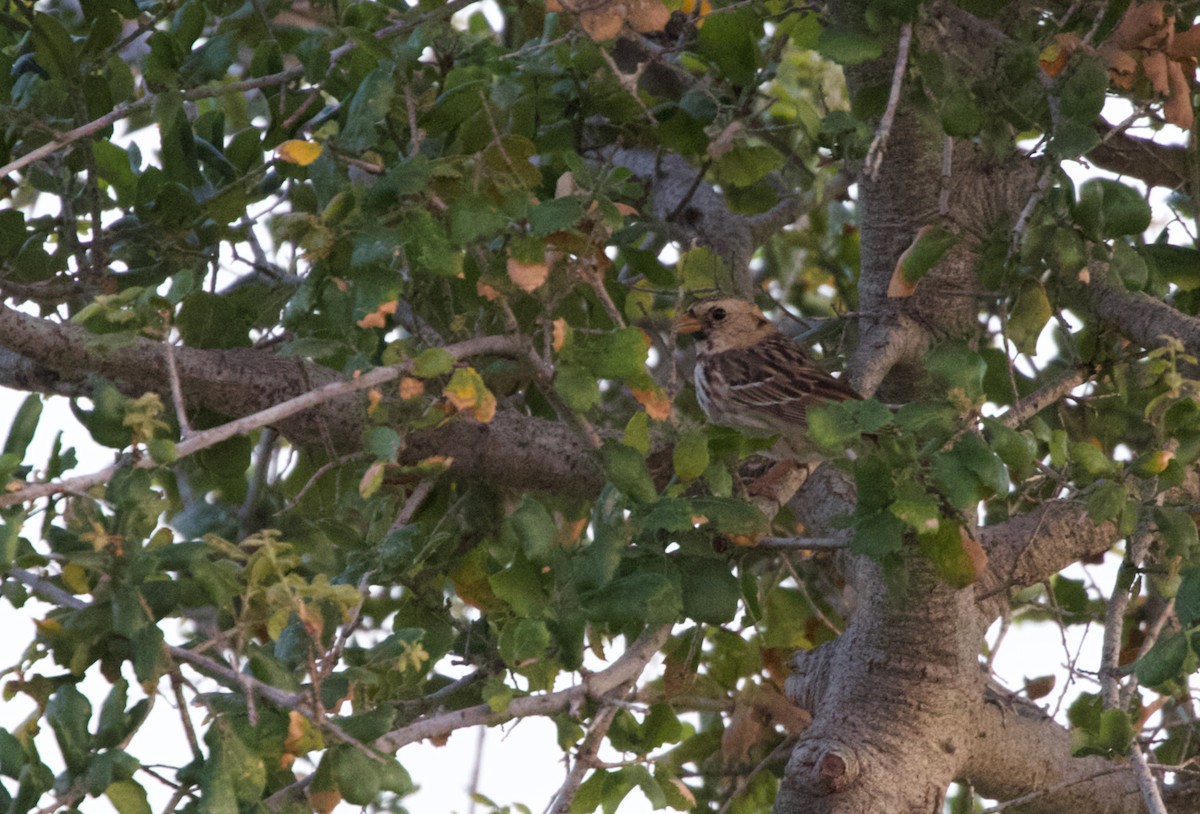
<point x="373" y="303"/>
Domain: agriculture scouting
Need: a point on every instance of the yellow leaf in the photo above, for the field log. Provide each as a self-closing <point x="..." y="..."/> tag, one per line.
<point x="657" y="405"/>
<point x="559" y="336"/>
<point x="466" y="391"/>
<point x="298" y="151"/>
<point x="75" y="578"/>
<point x="529" y="277"/>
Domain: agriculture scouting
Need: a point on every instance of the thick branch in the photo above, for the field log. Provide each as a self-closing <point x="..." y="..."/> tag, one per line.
<point x="1159" y="165"/>
<point x="700" y="212"/>
<point x="1139" y="317"/>
<point x="1030" y="547"/>
<point x="513" y="450"/>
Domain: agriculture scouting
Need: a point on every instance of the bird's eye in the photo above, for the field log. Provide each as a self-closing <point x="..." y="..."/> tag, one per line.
<point x="718" y="314"/>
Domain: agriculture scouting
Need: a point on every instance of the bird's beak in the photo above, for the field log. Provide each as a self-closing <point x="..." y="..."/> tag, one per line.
<point x="687" y="324"/>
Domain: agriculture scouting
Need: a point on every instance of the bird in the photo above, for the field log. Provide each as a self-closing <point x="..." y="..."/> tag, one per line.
<point x="752" y="377"/>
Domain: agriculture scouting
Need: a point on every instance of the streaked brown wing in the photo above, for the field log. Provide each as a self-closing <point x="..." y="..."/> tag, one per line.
<point x="776" y="377"/>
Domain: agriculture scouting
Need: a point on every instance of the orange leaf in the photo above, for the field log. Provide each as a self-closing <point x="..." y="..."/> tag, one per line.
<point x="559" y="334"/>
<point x="374" y="397"/>
<point x="1178" y="109"/>
<point x="648" y="15"/>
<point x="324" y="801"/>
<point x="1185" y="44"/>
<point x="1139" y="23"/>
<point x="298" y="151"/>
<point x="657" y="405"/>
<point x="1155" y="64"/>
<point x="486" y="291"/>
<point x="410" y="388"/>
<point x="603" y="23"/>
<point x="529" y="277"/>
<point x="974" y="552"/>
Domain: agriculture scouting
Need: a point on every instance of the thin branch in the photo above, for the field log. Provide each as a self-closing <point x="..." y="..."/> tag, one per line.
<point x="875" y="152"/>
<point x="596" y="685"/>
<point x="271" y="415"/>
<point x="1042" y="398"/>
<point x="185" y="428"/>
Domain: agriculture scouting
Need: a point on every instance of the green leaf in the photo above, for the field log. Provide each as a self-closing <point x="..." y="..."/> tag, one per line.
<point x="878" y="534"/>
<point x="745" y="164"/>
<point x="1178" y="531"/>
<point x="916" y="507"/>
<point x="1171" y="657"/>
<point x="1178" y="265"/>
<point x="1187" y="598"/>
<point x="710" y="591"/>
<point x="848" y="46"/>
<point x="945" y="548"/>
<point x="577" y="386"/>
<point x="617" y="355"/>
<point x="522" y="640"/>
<point x="207" y="320"/>
<point x="113" y="724"/>
<point x="700" y="269"/>
<point x="1091" y="459"/>
<point x="23" y="426"/>
<point x="732" y="43"/>
<point x="1029" y="315"/>
<point x="367" y="110"/>
<point x="626" y="469"/>
<point x="960" y="114"/>
<point x="1129" y="265"/>
<point x="1018" y="450"/>
<point x="68" y="713"/>
<point x="837" y="424"/>
<point x="128" y="797"/>
<point x="646" y="597"/>
<point x="432" y="362"/>
<point x="555" y="215"/>
<point x="958" y="368"/>
<point x="530" y="527"/>
<point x="1107" y="209"/>
<point x="357" y="775"/>
<point x="690" y="455"/>
<point x="1083" y="93"/>
<point x="930" y="246"/>
<point x="1107" y="501"/>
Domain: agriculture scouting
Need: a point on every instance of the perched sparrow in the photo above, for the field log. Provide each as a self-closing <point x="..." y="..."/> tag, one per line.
<point x="751" y="377"/>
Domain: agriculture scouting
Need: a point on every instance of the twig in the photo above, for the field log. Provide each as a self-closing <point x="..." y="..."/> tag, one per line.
<point x="185" y="428"/>
<point x="188" y="730"/>
<point x="804" y="543"/>
<point x="1034" y="795"/>
<point x="744" y="783"/>
<point x="584" y="760"/>
<point x="411" y="505"/>
<point x="502" y="345"/>
<point x="875" y="152"/>
<point x="321" y="470"/>
<point x="626" y="668"/>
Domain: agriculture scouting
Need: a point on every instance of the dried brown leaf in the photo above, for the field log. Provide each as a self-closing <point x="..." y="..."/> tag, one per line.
<point x="1178" y="109"/>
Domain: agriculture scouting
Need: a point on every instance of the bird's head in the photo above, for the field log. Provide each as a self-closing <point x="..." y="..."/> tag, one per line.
<point x="727" y="323"/>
